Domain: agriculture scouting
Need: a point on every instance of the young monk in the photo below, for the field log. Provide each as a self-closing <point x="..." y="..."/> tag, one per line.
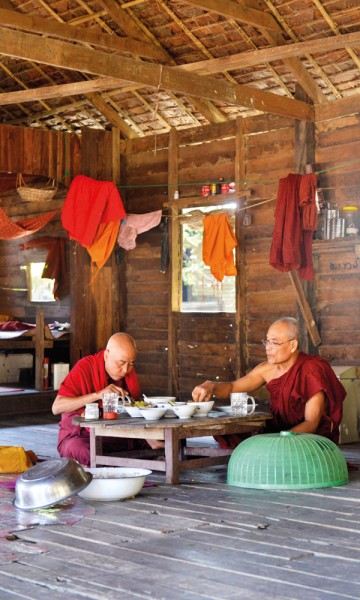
<point x="305" y="394"/>
<point x="111" y="370"/>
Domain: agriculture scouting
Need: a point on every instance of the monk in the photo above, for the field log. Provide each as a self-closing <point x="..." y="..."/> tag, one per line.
<point x="111" y="370"/>
<point x="305" y="394"/>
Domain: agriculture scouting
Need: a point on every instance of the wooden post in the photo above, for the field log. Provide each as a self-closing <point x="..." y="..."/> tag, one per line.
<point x="175" y="266"/>
<point x="305" y="153"/>
<point x="240" y="315"/>
<point x="39" y="349"/>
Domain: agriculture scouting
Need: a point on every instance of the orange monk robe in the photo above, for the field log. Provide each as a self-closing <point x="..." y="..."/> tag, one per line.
<point x="102" y="246"/>
<point x="219" y="242"/>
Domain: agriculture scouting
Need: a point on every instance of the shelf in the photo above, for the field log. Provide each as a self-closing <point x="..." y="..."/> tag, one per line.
<point x="331" y="245"/>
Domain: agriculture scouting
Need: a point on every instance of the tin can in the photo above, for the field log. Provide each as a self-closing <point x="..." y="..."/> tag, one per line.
<point x="205" y="190"/>
<point x="213" y="189"/>
<point x="224" y="188"/>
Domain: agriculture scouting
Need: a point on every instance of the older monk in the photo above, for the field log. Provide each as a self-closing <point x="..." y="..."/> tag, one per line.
<point x="111" y="370"/>
<point x="305" y="394"/>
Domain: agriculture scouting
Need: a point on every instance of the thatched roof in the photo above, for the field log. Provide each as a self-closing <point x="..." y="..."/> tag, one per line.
<point x="145" y="66"/>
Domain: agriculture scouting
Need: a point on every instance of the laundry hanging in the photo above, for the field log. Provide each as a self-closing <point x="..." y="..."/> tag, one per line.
<point x="87" y="204"/>
<point x="133" y="224"/>
<point x="219" y="242"/>
<point x="12" y="230"/>
<point x="295" y="221"/>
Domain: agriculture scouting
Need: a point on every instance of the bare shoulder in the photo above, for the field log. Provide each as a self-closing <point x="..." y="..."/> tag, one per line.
<point x="264" y="371"/>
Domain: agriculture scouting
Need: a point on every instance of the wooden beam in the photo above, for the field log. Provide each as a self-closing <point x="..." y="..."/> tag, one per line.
<point x="83" y="35"/>
<point x="61" y="54"/>
<point x="240" y="317"/>
<point x="338" y="108"/>
<point x="239" y="12"/>
<point x="112" y="116"/>
<point x="61" y="91"/>
<point x="305" y="308"/>
<point x="244" y="60"/>
<point x="174" y="278"/>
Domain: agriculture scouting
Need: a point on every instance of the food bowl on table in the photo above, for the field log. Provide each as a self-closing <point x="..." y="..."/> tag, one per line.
<point x="155" y="400"/>
<point x="114" y="483"/>
<point x="152" y="413"/>
<point x="133" y="411"/>
<point x="50" y="482"/>
<point x="202" y="409"/>
<point x="228" y="409"/>
<point x="170" y="408"/>
<point x="185" y="411"/>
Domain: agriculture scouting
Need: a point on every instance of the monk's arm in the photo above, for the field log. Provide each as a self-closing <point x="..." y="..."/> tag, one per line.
<point x="249" y="383"/>
<point x="65" y="404"/>
<point x="314" y="408"/>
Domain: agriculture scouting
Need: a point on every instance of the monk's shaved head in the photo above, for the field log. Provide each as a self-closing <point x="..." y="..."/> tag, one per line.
<point x="292" y="326"/>
<point x="121" y="340"/>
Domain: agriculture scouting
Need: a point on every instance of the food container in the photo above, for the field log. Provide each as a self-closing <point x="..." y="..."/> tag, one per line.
<point x="186" y="411"/>
<point x="351" y="217"/>
<point x="92" y="411"/>
<point x="202" y="409"/>
<point x="114" y="483"/>
<point x="50" y="482"/>
<point x="152" y="413"/>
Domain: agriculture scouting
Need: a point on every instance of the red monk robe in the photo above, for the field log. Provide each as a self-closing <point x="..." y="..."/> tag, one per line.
<point x="290" y="392"/>
<point x="86" y="377"/>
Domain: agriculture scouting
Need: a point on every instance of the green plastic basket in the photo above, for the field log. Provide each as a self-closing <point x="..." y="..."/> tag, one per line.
<point x="287" y="461"/>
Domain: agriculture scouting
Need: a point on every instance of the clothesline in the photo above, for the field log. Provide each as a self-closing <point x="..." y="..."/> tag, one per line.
<point x="230" y="211"/>
<point x="243" y="181"/>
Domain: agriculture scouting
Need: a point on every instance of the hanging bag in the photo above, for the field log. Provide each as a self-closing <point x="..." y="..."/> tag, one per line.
<point x="35" y="194"/>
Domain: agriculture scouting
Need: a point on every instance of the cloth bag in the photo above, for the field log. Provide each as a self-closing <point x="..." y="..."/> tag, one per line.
<point x="14" y="459"/>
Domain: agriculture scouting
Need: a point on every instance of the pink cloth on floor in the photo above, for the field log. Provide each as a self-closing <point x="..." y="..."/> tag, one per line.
<point x="135" y="224"/>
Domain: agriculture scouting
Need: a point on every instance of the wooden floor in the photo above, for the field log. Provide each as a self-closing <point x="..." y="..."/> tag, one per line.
<point x="200" y="539"/>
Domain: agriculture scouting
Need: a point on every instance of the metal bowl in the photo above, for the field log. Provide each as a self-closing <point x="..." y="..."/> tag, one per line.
<point x="50" y="482"/>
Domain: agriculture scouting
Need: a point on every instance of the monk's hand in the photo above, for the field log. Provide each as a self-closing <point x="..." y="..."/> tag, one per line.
<point x="203" y="392"/>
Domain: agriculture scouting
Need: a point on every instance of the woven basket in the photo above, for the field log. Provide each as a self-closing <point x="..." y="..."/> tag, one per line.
<point x="31" y="194"/>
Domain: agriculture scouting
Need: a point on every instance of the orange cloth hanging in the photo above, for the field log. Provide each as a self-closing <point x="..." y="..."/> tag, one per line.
<point x="102" y="246"/>
<point x="11" y="230"/>
<point x="219" y="242"/>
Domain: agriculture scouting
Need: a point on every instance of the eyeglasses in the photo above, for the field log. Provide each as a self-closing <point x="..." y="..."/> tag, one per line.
<point x="275" y="345"/>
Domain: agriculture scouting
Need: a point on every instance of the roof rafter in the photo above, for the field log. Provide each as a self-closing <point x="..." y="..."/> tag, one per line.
<point x="61" y="54"/>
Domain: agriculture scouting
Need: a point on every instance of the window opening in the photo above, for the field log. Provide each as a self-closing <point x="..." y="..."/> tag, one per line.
<point x="200" y="291"/>
<point x="39" y="289"/>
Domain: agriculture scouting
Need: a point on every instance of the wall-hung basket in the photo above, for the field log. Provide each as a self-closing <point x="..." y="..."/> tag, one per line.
<point x="32" y="194"/>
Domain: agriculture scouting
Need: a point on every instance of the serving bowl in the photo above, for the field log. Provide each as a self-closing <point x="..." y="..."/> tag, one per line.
<point x="133" y="411"/>
<point x="114" y="483"/>
<point x="185" y="411"/>
<point x="202" y="409"/>
<point x="50" y="482"/>
<point x="152" y="413"/>
<point x="160" y="399"/>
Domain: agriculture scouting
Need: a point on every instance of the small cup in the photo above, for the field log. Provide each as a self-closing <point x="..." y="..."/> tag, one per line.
<point x="92" y="411"/>
<point x="239" y="404"/>
<point x="111" y="405"/>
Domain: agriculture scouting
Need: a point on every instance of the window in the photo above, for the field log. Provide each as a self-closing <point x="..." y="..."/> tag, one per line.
<point x="40" y="290"/>
<point x="201" y="292"/>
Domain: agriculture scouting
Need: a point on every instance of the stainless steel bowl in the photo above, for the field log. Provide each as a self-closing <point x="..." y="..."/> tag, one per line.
<point x="50" y="482"/>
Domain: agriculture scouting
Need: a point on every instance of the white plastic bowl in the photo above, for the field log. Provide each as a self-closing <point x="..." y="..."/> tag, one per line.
<point x="160" y="399"/>
<point x="152" y="413"/>
<point x="202" y="408"/>
<point x="186" y="411"/>
<point x="114" y="483"/>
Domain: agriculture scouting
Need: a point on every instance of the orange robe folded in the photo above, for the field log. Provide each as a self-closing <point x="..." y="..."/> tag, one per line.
<point x="219" y="242"/>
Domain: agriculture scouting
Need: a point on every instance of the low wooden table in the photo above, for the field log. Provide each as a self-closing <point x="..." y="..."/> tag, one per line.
<point x="174" y="432"/>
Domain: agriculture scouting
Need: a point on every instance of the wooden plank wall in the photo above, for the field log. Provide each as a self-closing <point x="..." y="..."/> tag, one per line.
<point x="338" y="263"/>
<point x="12" y="256"/>
<point x="206" y="342"/>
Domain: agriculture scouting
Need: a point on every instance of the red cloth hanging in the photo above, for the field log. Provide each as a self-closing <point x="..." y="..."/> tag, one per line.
<point x="295" y="221"/>
<point x="88" y="203"/>
<point x="11" y="230"/>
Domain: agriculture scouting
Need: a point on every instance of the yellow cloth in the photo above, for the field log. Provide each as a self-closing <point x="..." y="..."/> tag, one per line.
<point x="102" y="246"/>
<point x="14" y="459"/>
<point x="219" y="242"/>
